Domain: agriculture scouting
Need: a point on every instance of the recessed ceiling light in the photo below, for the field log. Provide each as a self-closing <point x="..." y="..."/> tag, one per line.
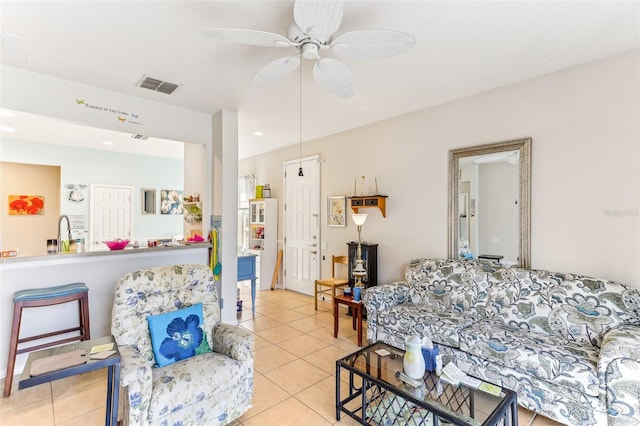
<point x="258" y="133"/>
<point x="107" y="143"/>
<point x="7" y="129"/>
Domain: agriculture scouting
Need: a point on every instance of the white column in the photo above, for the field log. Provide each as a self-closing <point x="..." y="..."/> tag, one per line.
<point x="225" y="203"/>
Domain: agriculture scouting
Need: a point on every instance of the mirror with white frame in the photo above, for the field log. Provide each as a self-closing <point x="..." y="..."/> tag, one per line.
<point x="489" y="202"/>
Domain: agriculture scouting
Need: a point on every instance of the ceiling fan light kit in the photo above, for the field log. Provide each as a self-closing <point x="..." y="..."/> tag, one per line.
<point x="312" y="31"/>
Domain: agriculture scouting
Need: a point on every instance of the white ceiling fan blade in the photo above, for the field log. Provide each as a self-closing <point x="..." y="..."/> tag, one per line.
<point x="275" y="70"/>
<point x="372" y="44"/>
<point x="252" y="37"/>
<point x="334" y="76"/>
<point x="322" y="18"/>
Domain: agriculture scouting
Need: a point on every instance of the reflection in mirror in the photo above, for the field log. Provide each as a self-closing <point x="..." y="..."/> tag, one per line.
<point x="489" y="197"/>
<point x="148" y="201"/>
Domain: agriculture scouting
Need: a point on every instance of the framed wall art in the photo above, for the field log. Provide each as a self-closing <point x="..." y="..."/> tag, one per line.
<point x="336" y="211"/>
<point x="30" y="205"/>
<point x="170" y="201"/>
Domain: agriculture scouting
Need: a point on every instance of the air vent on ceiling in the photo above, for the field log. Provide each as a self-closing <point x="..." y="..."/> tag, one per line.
<point x="140" y="137"/>
<point x="156" y="85"/>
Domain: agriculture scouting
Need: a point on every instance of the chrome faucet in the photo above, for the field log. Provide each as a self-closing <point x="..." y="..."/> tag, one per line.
<point x="63" y="216"/>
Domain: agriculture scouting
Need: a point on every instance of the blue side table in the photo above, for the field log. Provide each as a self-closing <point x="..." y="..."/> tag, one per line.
<point x="112" y="364"/>
<point x="247" y="271"/>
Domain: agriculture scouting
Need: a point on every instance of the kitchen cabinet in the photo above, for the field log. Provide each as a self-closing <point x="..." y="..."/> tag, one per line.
<point x="263" y="237"/>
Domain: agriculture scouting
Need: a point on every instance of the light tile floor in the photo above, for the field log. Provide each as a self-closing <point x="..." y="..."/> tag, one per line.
<point x="294" y="383"/>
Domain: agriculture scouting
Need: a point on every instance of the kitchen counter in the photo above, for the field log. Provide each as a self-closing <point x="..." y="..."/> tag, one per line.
<point x="99" y="270"/>
<point x="128" y="250"/>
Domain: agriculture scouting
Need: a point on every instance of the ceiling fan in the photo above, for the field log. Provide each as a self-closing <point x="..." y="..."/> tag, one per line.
<point x="312" y="32"/>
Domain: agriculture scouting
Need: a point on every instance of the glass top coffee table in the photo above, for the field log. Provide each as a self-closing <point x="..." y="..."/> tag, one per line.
<point x="377" y="397"/>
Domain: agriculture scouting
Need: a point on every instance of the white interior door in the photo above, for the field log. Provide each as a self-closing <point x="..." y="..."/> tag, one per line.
<point x="110" y="215"/>
<point x="301" y="224"/>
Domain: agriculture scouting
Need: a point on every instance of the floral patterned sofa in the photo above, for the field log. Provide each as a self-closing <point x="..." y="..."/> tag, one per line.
<point x="213" y="388"/>
<point x="569" y="345"/>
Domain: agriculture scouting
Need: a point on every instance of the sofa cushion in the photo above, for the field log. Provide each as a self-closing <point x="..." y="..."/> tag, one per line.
<point x="208" y="376"/>
<point x="407" y="319"/>
<point x="450" y="285"/>
<point x="540" y="355"/>
<point x="569" y="306"/>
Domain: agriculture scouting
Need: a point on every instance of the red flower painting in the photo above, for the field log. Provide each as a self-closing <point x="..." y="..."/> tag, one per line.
<point x="26" y="205"/>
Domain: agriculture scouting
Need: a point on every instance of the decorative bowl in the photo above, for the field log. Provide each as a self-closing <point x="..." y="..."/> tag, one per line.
<point x="117" y="244"/>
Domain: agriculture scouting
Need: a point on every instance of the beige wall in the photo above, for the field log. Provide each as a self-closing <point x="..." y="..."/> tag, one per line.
<point x="585" y="125"/>
<point x="29" y="179"/>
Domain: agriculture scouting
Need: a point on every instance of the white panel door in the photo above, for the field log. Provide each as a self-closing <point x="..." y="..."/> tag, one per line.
<point x="301" y="225"/>
<point x="110" y="215"/>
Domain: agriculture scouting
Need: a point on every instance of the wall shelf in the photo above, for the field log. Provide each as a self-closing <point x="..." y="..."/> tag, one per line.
<point x="379" y="201"/>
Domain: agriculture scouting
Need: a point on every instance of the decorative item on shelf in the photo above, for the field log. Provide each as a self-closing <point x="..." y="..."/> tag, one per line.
<point x="266" y="191"/>
<point x="413" y="361"/>
<point x="358" y="270"/>
<point x="364" y="188"/>
<point x="194" y="198"/>
<point x="192" y="212"/>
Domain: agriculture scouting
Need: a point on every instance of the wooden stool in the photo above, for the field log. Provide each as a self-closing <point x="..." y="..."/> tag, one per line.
<point x="45" y="297"/>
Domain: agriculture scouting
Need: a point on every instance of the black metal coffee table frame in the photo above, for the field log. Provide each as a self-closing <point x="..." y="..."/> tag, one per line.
<point x="451" y="404"/>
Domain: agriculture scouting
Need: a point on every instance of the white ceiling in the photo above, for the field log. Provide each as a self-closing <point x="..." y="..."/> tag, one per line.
<point x="462" y="48"/>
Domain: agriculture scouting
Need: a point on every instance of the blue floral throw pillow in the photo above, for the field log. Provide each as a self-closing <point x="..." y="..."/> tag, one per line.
<point x="178" y="335"/>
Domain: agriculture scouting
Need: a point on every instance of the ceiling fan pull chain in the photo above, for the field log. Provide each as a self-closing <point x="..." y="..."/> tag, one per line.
<point x="300" y="172"/>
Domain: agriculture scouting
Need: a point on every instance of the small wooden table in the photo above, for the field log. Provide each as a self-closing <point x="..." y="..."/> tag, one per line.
<point x="356" y="308"/>
<point x="112" y="363"/>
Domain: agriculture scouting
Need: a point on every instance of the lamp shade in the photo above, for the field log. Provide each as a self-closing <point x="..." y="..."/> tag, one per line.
<point x="359" y="219"/>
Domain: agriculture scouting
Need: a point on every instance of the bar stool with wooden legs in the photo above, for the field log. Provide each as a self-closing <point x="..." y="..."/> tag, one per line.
<point x="333" y="282"/>
<point x="49" y="296"/>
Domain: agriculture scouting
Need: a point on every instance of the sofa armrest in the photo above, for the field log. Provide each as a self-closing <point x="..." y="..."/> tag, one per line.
<point x="135" y="374"/>
<point x="619" y="373"/>
<point x="380" y="298"/>
<point x="233" y="341"/>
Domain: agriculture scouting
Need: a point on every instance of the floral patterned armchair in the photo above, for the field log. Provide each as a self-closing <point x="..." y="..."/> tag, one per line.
<point x="569" y="345"/>
<point x="212" y="388"/>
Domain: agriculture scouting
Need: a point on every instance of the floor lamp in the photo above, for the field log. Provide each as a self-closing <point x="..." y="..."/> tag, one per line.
<point x="358" y="270"/>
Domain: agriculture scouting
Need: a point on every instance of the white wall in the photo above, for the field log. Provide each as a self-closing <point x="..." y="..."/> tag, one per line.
<point x="91" y="166"/>
<point x="585" y="125"/>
